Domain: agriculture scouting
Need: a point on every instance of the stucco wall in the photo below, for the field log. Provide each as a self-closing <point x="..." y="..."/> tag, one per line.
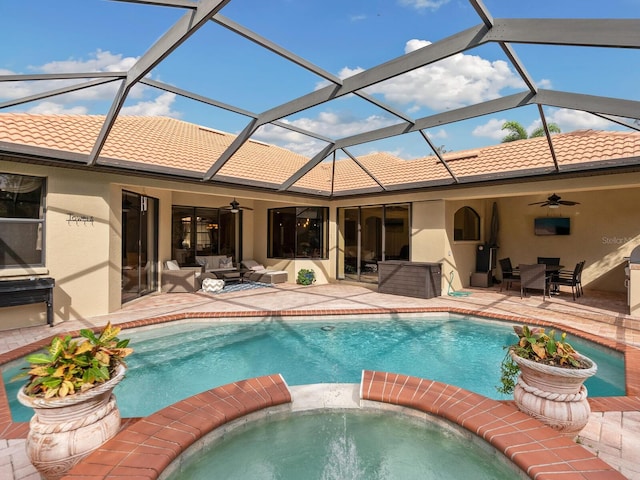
<point x="77" y="251"/>
<point x="85" y="256"/>
<point x="604" y="229"/>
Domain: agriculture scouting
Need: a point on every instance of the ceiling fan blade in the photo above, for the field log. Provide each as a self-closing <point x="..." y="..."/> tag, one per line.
<point x="568" y="202"/>
<point x="539" y="203"/>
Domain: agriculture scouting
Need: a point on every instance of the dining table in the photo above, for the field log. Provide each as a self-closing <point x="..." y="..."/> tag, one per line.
<point x="550" y="270"/>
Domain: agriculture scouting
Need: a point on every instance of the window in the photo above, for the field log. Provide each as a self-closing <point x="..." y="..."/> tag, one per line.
<point x="466" y="225"/>
<point x="298" y="232"/>
<point x="202" y="231"/>
<point x="21" y="221"/>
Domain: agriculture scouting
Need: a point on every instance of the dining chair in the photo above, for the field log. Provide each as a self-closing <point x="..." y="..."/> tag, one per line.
<point x="553" y="275"/>
<point x="509" y="274"/>
<point x="572" y="279"/>
<point x="580" y="276"/>
<point x="533" y="277"/>
<point x="549" y="260"/>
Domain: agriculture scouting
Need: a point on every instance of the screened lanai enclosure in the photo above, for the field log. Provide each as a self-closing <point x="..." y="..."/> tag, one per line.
<point x="334" y="82"/>
<point x="332" y="113"/>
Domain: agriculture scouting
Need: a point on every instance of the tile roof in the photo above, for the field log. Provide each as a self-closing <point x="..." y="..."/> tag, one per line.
<point x="184" y="147"/>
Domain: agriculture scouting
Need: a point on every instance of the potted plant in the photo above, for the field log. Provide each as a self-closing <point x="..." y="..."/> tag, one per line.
<point x="306" y="276"/>
<point x="546" y="376"/>
<point x="70" y="389"/>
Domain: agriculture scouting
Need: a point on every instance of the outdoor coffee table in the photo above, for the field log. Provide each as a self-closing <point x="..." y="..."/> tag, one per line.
<point x="230" y="277"/>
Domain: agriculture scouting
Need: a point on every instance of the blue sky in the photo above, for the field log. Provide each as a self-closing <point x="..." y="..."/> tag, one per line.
<point x="342" y="37"/>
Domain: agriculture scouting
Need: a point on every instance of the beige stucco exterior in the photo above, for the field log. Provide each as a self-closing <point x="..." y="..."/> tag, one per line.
<point x="85" y="257"/>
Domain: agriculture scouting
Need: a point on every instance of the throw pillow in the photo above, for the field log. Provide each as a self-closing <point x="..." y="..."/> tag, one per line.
<point x="172" y="265"/>
<point x="257" y="268"/>
<point x="226" y="262"/>
<point x="212" y="285"/>
<point x="202" y="261"/>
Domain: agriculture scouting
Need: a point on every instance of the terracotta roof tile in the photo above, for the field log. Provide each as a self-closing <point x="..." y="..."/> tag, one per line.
<point x="171" y="143"/>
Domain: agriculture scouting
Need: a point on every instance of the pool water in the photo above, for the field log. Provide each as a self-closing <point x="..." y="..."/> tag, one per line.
<point x="339" y="446"/>
<point x="179" y="360"/>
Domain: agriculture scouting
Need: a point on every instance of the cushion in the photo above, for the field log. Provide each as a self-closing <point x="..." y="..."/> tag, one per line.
<point x="211" y="262"/>
<point x="172" y="265"/>
<point x="202" y="261"/>
<point x="249" y="263"/>
<point x="212" y="285"/>
<point x="257" y="268"/>
<point x="226" y="262"/>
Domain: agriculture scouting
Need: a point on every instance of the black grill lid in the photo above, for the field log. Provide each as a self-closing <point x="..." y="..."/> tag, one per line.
<point x="635" y="255"/>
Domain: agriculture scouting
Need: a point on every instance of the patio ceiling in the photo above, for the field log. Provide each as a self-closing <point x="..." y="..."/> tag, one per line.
<point x="507" y="34"/>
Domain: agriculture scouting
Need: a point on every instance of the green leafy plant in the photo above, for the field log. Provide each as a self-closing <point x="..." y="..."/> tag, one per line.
<point x="536" y="345"/>
<point x="306" y="276"/>
<point x="71" y="366"/>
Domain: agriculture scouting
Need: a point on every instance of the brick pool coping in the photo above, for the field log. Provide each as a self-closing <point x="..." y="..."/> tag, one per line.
<point x="539" y="451"/>
<point x="19" y="430"/>
<point x="144" y="449"/>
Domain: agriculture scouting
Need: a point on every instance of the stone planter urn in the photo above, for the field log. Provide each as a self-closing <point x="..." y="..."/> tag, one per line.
<point x="65" y="430"/>
<point x="554" y="395"/>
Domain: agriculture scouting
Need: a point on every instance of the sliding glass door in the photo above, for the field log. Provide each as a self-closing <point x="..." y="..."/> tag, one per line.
<point x="368" y="235"/>
<point x="139" y="245"/>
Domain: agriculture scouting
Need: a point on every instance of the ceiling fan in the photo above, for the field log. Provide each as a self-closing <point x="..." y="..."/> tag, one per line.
<point x="554" y="201"/>
<point x="235" y="207"/>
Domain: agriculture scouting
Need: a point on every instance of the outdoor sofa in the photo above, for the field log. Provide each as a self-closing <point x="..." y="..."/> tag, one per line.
<point x="256" y="272"/>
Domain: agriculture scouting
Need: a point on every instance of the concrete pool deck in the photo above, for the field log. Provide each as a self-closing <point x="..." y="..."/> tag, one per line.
<point x="613" y="432"/>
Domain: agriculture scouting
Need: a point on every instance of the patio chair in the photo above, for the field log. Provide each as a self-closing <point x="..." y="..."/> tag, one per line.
<point x="580" y="277"/>
<point x="509" y="274"/>
<point x="554" y="275"/>
<point x="571" y="279"/>
<point x="533" y="277"/>
<point x="177" y="279"/>
<point x="549" y="260"/>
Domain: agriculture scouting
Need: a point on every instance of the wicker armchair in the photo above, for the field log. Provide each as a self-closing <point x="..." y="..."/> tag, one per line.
<point x="180" y="280"/>
<point x="534" y="277"/>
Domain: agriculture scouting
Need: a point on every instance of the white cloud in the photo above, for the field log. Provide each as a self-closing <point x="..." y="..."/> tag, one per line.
<point x="438" y="134"/>
<point x="492" y="129"/>
<point x="52" y="108"/>
<point x="453" y="82"/>
<point x="329" y="124"/>
<point x="544" y="83"/>
<point x="569" y="120"/>
<point x="159" y="106"/>
<point x="100" y="61"/>
<point x="424" y="4"/>
<point x="80" y="101"/>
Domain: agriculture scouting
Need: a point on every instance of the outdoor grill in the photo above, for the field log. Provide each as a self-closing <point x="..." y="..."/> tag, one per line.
<point x="27" y="291"/>
<point x="631" y="274"/>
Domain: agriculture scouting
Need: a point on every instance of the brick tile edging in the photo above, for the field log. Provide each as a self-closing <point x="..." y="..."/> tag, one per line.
<point x="16" y="430"/>
<point x="144" y="449"/>
<point x="536" y="449"/>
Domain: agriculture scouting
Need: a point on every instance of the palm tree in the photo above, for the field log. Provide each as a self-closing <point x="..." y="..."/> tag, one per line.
<point x="539" y="132"/>
<point x="518" y="132"/>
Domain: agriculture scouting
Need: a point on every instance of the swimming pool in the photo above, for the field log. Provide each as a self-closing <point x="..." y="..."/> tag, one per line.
<point x="181" y="359"/>
<point x="339" y="445"/>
